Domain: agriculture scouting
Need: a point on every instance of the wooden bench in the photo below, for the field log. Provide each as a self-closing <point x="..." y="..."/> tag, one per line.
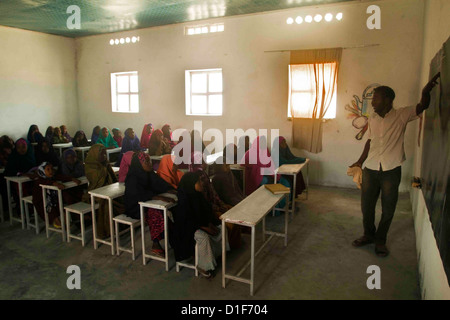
<point x="131" y="223"/>
<point x="27" y="201"/>
<point x="80" y="208"/>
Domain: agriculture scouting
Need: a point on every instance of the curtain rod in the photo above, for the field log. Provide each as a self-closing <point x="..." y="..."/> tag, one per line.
<point x="354" y="47"/>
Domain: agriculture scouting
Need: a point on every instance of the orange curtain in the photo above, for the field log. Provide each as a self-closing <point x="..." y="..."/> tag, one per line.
<point x="323" y="69"/>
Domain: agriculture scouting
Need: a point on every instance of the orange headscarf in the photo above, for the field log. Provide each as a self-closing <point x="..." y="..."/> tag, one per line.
<point x="165" y="171"/>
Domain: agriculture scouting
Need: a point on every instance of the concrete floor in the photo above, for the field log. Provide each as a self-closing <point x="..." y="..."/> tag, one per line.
<point x="319" y="262"/>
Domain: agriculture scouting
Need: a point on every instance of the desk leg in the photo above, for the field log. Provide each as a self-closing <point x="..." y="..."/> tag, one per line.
<point x="224" y="253"/>
<point x="252" y="266"/>
<point x="22" y="213"/>
<point x="166" y="245"/>
<point x="61" y="215"/>
<point x="44" y="200"/>
<point x="143" y="235"/>
<point x="293" y="195"/>
<point x="286" y="219"/>
<point x="94" y="222"/>
<point x="111" y="213"/>
<point x="264" y="229"/>
<point x="307" y="180"/>
<point x="8" y="191"/>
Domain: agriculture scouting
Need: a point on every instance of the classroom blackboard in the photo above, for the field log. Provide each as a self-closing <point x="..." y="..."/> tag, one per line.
<point x="436" y="154"/>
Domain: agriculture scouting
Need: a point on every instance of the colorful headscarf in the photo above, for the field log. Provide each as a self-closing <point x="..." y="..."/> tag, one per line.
<point x="165" y="171"/>
<point x="145" y="137"/>
<point x="97" y="173"/>
<point x="144" y="158"/>
<point x="41" y="170"/>
<point x="95" y="136"/>
<point x="107" y="141"/>
<point x="154" y="142"/>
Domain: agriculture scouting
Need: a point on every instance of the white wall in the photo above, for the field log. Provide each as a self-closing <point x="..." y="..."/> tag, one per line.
<point x="434" y="282"/>
<point x="37" y="82"/>
<point x="255" y="82"/>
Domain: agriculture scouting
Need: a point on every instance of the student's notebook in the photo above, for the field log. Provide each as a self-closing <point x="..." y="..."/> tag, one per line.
<point x="277" y="188"/>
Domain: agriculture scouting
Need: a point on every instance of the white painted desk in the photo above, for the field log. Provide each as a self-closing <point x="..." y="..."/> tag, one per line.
<point x="293" y="170"/>
<point x="249" y="212"/>
<point x="159" y="205"/>
<point x="83" y="150"/>
<point x="67" y="185"/>
<point x="20" y="180"/>
<point x="62" y="146"/>
<point x="109" y="193"/>
<point x="109" y="151"/>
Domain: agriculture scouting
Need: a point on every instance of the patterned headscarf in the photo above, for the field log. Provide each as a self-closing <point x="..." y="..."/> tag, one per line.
<point x="144" y="158"/>
<point x="41" y="170"/>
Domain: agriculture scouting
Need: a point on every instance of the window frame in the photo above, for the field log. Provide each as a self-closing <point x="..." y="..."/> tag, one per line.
<point x="207" y="94"/>
<point x="115" y="91"/>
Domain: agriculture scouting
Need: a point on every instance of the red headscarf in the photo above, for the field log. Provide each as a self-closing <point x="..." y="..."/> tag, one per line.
<point x="145" y="137"/>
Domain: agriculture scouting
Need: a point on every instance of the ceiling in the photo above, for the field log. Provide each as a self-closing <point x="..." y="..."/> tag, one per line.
<point x="105" y="16"/>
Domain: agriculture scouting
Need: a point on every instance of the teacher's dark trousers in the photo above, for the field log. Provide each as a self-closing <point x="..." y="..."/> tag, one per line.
<point x="373" y="183"/>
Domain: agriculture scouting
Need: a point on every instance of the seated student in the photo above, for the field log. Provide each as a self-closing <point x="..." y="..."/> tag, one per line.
<point x="99" y="174"/>
<point x="129" y="143"/>
<point x="45" y="175"/>
<point x="58" y="137"/>
<point x="195" y="222"/>
<point x="117" y="135"/>
<point x="167" y="135"/>
<point x="70" y="165"/>
<point x="95" y="134"/>
<point x="146" y="135"/>
<point x="21" y="159"/>
<point x="49" y="134"/>
<point x="286" y="157"/>
<point x="143" y="184"/>
<point x="33" y="134"/>
<point x="219" y="207"/>
<point x="65" y="133"/>
<point x="80" y="140"/>
<point x="46" y="153"/>
<point x="242" y="147"/>
<point x="106" y="139"/>
<point x="257" y="159"/>
<point x="168" y="170"/>
<point x="125" y="165"/>
<point x="157" y="146"/>
<point x="6" y="148"/>
<point x="226" y="185"/>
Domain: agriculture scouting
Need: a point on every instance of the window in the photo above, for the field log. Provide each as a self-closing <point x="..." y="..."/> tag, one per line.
<point x="204" y="92"/>
<point x="302" y="88"/>
<point x="125" y="92"/>
<point x="206" y="28"/>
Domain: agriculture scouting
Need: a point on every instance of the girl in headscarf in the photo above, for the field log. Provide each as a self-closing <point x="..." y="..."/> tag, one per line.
<point x="71" y="166"/>
<point x="146" y="135"/>
<point x="125" y="165"/>
<point x="45" y="175"/>
<point x="106" y="139"/>
<point x="95" y="134"/>
<point x="6" y="148"/>
<point x="167" y="132"/>
<point x="33" y="134"/>
<point x="58" y="137"/>
<point x="79" y="140"/>
<point x="226" y="184"/>
<point x="49" y="134"/>
<point x="129" y="143"/>
<point x="286" y="157"/>
<point x="21" y="159"/>
<point x="46" y="153"/>
<point x="117" y="135"/>
<point x="157" y="146"/>
<point x="242" y="147"/>
<point x="143" y="184"/>
<point x="195" y="222"/>
<point x="218" y="206"/>
<point x="99" y="174"/>
<point x="259" y="167"/>
<point x="169" y="171"/>
<point x="65" y="133"/>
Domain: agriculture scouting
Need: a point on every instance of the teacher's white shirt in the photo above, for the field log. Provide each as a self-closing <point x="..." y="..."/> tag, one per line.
<point x="387" y="138"/>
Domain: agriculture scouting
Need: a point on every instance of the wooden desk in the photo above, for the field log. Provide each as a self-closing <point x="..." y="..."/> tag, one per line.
<point x="159" y="205"/>
<point x="62" y="146"/>
<point x="20" y="180"/>
<point x="67" y="185"/>
<point x="109" y="193"/>
<point x="83" y="150"/>
<point x="293" y="170"/>
<point x="109" y="151"/>
<point x="249" y="212"/>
